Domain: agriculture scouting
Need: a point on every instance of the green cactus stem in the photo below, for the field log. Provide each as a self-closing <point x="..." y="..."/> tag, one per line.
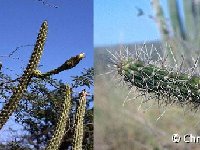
<point x="59" y="132"/>
<point x="78" y="134"/>
<point x="11" y="106"/>
<point x="177" y="87"/>
<point x="72" y="62"/>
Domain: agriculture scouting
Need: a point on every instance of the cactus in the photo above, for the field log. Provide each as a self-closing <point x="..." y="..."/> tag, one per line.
<point x="184" y="40"/>
<point x="59" y="132"/>
<point x="72" y="62"/>
<point x="162" y="82"/>
<point x="11" y="106"/>
<point x="169" y="84"/>
<point x="78" y="135"/>
<point x="31" y="71"/>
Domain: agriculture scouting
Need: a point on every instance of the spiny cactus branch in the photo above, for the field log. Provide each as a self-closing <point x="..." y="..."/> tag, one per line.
<point x="148" y="71"/>
<point x="72" y="62"/>
<point x="59" y="132"/>
<point x="78" y="134"/>
<point x="177" y="87"/>
<point x="11" y="106"/>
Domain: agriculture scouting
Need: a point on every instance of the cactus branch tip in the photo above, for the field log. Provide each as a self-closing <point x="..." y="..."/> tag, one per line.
<point x="45" y="22"/>
<point x="82" y="55"/>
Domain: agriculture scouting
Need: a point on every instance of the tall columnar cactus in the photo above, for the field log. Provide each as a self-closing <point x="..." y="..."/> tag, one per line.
<point x="59" y="132"/>
<point x="10" y="107"/>
<point x="31" y="71"/>
<point x="78" y="135"/>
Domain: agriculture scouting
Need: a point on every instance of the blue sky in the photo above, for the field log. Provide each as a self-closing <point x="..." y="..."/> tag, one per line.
<point x="70" y="33"/>
<point x="116" y="22"/>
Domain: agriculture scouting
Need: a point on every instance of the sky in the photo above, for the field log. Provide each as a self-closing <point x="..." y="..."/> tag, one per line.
<point x="70" y="33"/>
<point x="117" y="23"/>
